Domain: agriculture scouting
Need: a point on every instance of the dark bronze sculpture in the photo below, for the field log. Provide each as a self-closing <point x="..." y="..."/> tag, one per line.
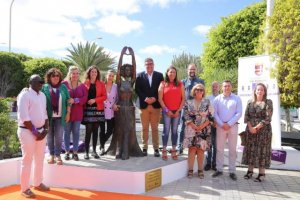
<point x="124" y="142"/>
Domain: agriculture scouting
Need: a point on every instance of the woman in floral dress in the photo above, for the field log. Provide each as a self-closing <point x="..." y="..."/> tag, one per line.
<point x="197" y="114"/>
<point x="257" y="151"/>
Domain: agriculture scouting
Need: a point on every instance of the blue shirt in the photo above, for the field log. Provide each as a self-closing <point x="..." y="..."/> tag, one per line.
<point x="227" y="109"/>
<point x="189" y="84"/>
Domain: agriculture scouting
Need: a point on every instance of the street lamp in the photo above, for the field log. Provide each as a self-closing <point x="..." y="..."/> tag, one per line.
<point x="9" y="45"/>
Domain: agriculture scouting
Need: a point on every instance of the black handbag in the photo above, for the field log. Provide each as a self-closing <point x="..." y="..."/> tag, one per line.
<point x="243" y="137"/>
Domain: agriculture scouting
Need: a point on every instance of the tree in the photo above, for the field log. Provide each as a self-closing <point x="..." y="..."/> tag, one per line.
<point x="236" y="36"/>
<point x="11" y="73"/>
<point x="41" y="65"/>
<point x="284" y="40"/>
<point x="85" y="55"/>
<point x="9" y="143"/>
<point x="182" y="61"/>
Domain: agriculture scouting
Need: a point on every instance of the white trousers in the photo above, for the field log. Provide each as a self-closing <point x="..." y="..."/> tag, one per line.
<point x="223" y="136"/>
<point x="32" y="150"/>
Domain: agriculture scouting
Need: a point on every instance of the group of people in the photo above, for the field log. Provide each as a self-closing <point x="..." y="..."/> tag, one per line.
<point x="58" y="106"/>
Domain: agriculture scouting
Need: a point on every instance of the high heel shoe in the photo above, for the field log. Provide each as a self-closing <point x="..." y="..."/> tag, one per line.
<point x="174" y="154"/>
<point x="260" y="178"/>
<point x="248" y="175"/>
<point x="200" y="174"/>
<point x="190" y="174"/>
<point x="164" y="154"/>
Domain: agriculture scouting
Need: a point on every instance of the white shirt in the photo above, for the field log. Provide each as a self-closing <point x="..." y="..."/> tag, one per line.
<point x="32" y="107"/>
<point x="150" y="78"/>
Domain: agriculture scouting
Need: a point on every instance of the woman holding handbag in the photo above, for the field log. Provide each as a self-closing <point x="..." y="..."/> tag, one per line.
<point x="257" y="150"/>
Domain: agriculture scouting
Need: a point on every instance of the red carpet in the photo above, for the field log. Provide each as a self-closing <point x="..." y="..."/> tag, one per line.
<point x="13" y="193"/>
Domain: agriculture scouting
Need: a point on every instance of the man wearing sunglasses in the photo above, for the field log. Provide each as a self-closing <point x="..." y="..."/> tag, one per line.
<point x="188" y="83"/>
<point x="32" y="127"/>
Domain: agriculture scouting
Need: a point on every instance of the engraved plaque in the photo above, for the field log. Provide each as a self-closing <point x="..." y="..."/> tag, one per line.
<point x="152" y="179"/>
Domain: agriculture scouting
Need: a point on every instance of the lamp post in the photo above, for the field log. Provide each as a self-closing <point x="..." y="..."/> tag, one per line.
<point x="9" y="45"/>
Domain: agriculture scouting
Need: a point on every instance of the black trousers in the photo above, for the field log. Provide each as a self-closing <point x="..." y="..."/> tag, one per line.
<point x="92" y="128"/>
<point x="104" y="136"/>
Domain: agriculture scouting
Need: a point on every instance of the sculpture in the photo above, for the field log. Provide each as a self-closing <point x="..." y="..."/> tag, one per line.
<point x="124" y="142"/>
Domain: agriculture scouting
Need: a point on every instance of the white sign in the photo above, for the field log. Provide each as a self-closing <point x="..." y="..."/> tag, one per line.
<point x="253" y="70"/>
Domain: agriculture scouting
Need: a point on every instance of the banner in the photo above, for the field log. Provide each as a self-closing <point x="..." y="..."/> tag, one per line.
<point x="253" y="70"/>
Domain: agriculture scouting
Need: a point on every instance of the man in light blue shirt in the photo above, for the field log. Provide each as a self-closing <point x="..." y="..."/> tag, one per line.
<point x="227" y="112"/>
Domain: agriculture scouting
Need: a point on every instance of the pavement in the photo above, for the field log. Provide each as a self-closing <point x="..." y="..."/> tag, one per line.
<point x="279" y="184"/>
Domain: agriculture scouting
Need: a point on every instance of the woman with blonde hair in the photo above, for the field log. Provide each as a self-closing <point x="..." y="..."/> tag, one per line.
<point x="78" y="98"/>
<point x="197" y="113"/>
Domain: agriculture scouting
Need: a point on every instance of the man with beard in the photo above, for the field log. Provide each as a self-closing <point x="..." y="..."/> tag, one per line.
<point x="188" y="83"/>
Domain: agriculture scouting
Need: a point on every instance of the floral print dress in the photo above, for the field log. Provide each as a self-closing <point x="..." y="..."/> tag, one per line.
<point x="198" y="115"/>
<point x="257" y="151"/>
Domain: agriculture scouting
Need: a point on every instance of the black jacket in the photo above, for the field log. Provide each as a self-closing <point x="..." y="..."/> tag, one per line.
<point x="143" y="89"/>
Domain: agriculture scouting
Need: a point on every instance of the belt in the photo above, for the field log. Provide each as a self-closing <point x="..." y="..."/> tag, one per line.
<point x="41" y="128"/>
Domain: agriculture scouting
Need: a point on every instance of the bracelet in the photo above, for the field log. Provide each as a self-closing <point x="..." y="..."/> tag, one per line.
<point x="34" y="130"/>
<point x="166" y="110"/>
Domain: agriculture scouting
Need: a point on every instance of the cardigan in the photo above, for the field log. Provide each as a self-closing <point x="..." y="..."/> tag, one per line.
<point x="79" y="92"/>
<point x="64" y="93"/>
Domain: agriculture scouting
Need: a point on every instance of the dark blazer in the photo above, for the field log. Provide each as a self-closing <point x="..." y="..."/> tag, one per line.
<point x="143" y="89"/>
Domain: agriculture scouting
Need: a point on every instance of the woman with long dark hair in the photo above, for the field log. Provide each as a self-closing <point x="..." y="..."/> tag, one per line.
<point x="258" y="115"/>
<point x="94" y="110"/>
<point x="171" y="98"/>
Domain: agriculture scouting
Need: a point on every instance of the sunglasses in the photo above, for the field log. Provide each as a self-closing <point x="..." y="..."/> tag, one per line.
<point x="54" y="75"/>
<point x="200" y="90"/>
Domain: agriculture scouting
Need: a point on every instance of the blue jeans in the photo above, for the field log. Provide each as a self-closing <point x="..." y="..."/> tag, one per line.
<point x="181" y="135"/>
<point x="212" y="152"/>
<point x="73" y="127"/>
<point x="55" y="136"/>
<point x="170" y="123"/>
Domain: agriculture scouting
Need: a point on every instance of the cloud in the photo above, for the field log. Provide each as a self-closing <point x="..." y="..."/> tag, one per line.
<point x="42" y="25"/>
<point x="157" y="50"/>
<point x="202" y="29"/>
<point x="164" y="3"/>
<point x="118" y="25"/>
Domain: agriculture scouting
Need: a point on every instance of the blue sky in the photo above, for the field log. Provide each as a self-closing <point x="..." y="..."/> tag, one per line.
<point x="153" y="28"/>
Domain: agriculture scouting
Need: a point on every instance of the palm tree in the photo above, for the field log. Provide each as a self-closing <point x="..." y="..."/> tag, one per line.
<point x="85" y="55"/>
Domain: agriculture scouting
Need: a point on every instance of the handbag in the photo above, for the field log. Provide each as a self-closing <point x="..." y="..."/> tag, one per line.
<point x="243" y="137"/>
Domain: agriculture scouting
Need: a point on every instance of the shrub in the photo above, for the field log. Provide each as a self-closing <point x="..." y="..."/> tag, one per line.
<point x="9" y="142"/>
<point x="41" y="65"/>
<point x="11" y="74"/>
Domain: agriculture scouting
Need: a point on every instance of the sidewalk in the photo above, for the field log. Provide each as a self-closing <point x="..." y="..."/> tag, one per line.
<point x="278" y="184"/>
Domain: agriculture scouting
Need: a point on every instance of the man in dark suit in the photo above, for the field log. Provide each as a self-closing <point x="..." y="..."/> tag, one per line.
<point x="146" y="87"/>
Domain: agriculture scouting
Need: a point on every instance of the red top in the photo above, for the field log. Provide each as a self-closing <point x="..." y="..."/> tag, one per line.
<point x="101" y="95"/>
<point x="172" y="95"/>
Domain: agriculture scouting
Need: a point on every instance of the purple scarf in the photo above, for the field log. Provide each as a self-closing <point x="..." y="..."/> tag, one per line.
<point x="55" y="97"/>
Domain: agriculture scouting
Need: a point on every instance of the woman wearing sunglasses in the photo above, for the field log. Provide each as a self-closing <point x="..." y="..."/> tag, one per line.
<point x="58" y="110"/>
<point x="197" y="112"/>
